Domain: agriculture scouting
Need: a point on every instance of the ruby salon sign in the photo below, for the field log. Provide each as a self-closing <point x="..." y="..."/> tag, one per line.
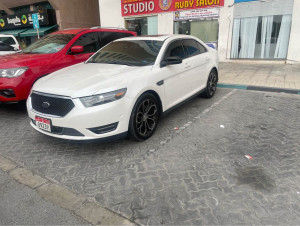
<point x="139" y="7"/>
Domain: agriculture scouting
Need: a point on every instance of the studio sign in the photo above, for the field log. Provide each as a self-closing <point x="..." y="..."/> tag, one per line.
<point x="21" y="20"/>
<point x="134" y="7"/>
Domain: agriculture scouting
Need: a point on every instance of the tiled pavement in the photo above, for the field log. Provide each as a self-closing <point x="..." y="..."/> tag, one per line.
<point x="277" y="75"/>
<point x="195" y="175"/>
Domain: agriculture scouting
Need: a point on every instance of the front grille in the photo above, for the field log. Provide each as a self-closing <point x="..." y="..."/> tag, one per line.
<point x="51" y="105"/>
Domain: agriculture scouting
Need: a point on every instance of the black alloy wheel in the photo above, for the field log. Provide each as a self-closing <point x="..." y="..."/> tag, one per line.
<point x="144" y="117"/>
<point x="211" y="86"/>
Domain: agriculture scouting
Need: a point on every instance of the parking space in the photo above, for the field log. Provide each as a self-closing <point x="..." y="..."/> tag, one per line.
<point x="197" y="173"/>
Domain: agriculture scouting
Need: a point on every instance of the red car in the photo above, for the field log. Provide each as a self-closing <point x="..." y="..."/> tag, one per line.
<point x="19" y="71"/>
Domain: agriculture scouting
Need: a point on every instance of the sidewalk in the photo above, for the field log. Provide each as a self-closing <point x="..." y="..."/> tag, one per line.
<point x="272" y="75"/>
<point x="21" y="205"/>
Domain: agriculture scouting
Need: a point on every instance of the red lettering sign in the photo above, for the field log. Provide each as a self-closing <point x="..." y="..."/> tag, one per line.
<point x="139" y="7"/>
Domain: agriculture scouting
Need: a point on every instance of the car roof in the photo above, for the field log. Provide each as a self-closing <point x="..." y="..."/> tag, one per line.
<point x="78" y="30"/>
<point x="156" y="37"/>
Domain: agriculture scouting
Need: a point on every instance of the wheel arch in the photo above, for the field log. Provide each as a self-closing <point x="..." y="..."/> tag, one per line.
<point x="216" y="70"/>
<point x="154" y="93"/>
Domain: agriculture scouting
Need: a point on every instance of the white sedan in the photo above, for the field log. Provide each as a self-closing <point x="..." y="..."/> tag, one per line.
<point x="124" y="88"/>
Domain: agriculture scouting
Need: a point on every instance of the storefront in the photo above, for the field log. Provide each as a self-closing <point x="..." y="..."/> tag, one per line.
<point x="198" y="18"/>
<point x="201" y="23"/>
<point x="21" y="26"/>
<point x="261" y="30"/>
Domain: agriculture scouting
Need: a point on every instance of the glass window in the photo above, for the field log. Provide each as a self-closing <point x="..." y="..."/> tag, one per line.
<point x="8" y="40"/>
<point x="49" y="44"/>
<point x="205" y="30"/>
<point x="143" y="25"/>
<point x="175" y="49"/>
<point x="4" y="47"/>
<point x="191" y="47"/>
<point x="130" y="53"/>
<point x="263" y="37"/>
<point x="201" y="48"/>
<point x="89" y="41"/>
<point x="107" y="37"/>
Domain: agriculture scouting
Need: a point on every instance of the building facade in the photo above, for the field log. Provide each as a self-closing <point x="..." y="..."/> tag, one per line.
<point x="240" y="29"/>
<point x="16" y="17"/>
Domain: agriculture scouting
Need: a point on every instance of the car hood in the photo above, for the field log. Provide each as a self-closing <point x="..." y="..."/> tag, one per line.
<point x="88" y="79"/>
<point x="20" y="59"/>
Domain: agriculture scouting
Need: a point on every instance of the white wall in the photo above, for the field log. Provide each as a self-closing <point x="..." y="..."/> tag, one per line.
<point x="225" y="30"/>
<point x="294" y="45"/>
<point x="110" y="13"/>
<point x="165" y="23"/>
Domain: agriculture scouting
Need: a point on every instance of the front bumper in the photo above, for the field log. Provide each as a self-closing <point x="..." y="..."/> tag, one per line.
<point x="20" y="86"/>
<point x="112" y="118"/>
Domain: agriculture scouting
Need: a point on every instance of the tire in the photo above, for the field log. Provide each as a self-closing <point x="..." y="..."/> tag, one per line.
<point x="144" y="120"/>
<point x="211" y="85"/>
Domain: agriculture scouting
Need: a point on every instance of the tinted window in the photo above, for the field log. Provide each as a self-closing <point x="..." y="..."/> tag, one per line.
<point x="129" y="52"/>
<point x="175" y="49"/>
<point x="107" y="37"/>
<point x="8" y="40"/>
<point x="191" y="47"/>
<point x="89" y="41"/>
<point x="201" y="48"/>
<point x="49" y="44"/>
<point x="4" y="47"/>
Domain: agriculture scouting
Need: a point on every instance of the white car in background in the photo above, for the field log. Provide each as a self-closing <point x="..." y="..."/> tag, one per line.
<point x="10" y="40"/>
<point x="124" y="88"/>
<point x="7" y="49"/>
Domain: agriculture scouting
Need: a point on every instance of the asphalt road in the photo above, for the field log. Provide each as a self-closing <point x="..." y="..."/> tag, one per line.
<point x="233" y="160"/>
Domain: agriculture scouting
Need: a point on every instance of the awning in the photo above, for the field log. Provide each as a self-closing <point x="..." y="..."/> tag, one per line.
<point x="42" y="31"/>
<point x="14" y="32"/>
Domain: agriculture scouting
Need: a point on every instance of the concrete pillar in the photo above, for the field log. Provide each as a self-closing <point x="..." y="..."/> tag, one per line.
<point x="225" y="30"/>
<point x="294" y="45"/>
<point x="110" y="13"/>
<point x="7" y="10"/>
<point x="165" y="23"/>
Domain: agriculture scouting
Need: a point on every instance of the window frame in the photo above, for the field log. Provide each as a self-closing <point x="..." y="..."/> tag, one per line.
<point x="170" y="43"/>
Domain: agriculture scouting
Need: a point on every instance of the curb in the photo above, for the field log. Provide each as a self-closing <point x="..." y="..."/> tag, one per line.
<point x="82" y="207"/>
<point x="259" y="88"/>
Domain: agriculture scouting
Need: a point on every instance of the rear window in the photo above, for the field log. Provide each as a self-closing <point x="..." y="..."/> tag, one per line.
<point x="7" y="40"/>
<point x="50" y="43"/>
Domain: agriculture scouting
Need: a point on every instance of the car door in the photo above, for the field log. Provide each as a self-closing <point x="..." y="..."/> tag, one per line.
<point x="89" y="42"/>
<point x="175" y="79"/>
<point x="197" y="61"/>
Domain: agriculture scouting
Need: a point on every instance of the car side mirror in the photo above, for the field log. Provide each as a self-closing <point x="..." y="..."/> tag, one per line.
<point x="171" y="60"/>
<point x="77" y="49"/>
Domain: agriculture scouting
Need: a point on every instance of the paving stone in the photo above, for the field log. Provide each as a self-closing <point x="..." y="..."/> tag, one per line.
<point x="200" y="176"/>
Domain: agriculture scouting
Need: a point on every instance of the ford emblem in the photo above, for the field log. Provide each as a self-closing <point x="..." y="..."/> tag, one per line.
<point x="45" y="105"/>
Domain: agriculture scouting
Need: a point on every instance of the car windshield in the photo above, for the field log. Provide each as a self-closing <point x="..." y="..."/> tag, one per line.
<point x="129" y="52"/>
<point x="49" y="44"/>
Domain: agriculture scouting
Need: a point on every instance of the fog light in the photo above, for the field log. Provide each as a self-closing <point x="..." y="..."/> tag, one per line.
<point x="7" y="93"/>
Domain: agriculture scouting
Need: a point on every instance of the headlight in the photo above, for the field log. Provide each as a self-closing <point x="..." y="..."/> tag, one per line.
<point x="12" y="72"/>
<point x="104" y="98"/>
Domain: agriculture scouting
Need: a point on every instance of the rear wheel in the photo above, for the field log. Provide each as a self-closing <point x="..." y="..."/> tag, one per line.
<point x="144" y="118"/>
<point x="211" y="85"/>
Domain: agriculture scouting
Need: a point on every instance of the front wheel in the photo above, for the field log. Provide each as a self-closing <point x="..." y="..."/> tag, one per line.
<point x="144" y="117"/>
<point x="211" y="85"/>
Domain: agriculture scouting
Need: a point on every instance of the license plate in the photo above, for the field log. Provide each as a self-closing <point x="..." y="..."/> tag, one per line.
<point x="43" y="123"/>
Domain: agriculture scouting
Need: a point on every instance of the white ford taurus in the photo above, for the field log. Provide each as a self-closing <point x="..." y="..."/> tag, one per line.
<point x="124" y="88"/>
